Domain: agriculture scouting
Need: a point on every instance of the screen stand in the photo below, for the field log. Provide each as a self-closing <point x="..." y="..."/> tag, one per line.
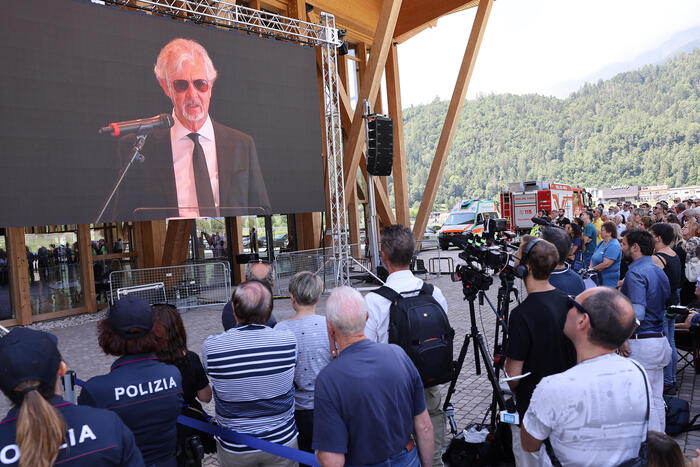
<point x="135" y="156"/>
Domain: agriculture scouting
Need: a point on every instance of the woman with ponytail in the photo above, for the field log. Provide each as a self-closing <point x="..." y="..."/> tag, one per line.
<point x="42" y="428"/>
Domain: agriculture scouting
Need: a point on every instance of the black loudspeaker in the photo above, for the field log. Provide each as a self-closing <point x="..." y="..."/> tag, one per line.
<point x="380" y="147"/>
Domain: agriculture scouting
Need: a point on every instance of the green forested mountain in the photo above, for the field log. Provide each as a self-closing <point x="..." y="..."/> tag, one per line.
<point x="638" y="128"/>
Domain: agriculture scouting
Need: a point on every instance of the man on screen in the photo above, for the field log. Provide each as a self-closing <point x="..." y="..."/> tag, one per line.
<point x="197" y="168"/>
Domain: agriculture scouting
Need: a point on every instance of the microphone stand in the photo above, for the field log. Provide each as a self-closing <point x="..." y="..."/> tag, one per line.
<point x="135" y="156"/>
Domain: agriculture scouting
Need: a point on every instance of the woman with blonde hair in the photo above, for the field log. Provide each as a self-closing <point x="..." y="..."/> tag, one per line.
<point x="41" y="428"/>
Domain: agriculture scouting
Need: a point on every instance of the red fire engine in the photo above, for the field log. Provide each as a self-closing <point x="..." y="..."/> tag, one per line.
<point x="520" y="202"/>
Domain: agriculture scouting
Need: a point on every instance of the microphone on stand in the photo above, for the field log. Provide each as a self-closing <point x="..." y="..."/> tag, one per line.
<point x="140" y="127"/>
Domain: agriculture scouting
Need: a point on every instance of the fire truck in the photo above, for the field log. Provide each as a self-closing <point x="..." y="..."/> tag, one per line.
<point x="520" y="202"/>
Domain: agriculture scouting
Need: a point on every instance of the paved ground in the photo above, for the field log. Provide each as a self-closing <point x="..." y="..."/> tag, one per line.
<point x="78" y="345"/>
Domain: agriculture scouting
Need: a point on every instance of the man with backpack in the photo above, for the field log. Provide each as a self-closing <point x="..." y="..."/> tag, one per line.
<point x="428" y="339"/>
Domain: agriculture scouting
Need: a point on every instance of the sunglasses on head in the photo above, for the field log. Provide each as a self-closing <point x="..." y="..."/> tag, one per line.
<point x="181" y="85"/>
<point x="581" y="309"/>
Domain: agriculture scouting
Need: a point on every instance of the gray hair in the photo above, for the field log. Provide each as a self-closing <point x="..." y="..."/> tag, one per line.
<point x="252" y="302"/>
<point x="176" y="53"/>
<point x="346" y="311"/>
<point x="398" y="244"/>
<point x="306" y="288"/>
<point x="268" y="277"/>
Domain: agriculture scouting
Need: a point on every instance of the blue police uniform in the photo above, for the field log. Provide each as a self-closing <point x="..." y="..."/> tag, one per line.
<point x="147" y="395"/>
<point x="94" y="437"/>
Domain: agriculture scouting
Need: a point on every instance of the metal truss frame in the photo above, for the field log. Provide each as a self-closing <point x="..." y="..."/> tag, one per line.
<point x="324" y="36"/>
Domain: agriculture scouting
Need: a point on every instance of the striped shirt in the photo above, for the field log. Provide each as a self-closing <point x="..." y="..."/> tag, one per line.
<point x="251" y="369"/>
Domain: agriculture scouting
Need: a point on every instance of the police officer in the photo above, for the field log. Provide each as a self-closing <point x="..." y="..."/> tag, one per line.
<point x="42" y="428"/>
<point x="144" y="392"/>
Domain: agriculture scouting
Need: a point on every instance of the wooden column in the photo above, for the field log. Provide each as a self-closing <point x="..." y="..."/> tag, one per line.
<point x="87" y="272"/>
<point x="177" y="241"/>
<point x="368" y="90"/>
<point x="393" y="90"/>
<point x="238" y="270"/>
<point x="19" y="275"/>
<point x="150" y="240"/>
<point x="453" y="112"/>
<point x="308" y="230"/>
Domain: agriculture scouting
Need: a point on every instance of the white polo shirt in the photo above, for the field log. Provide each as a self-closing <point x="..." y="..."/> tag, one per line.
<point x="377" y="327"/>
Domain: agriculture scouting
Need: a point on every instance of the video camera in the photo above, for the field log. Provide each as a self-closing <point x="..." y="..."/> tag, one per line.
<point x="680" y="313"/>
<point x="480" y="259"/>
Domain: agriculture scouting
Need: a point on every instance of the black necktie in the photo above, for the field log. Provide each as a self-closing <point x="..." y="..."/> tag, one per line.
<point x="202" y="182"/>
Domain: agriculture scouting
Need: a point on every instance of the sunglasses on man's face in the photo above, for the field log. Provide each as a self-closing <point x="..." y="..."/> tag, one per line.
<point x="580" y="308"/>
<point x="181" y="85"/>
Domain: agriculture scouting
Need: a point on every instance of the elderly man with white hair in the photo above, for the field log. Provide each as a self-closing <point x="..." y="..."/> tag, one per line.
<point x="197" y="168"/>
<point x="369" y="400"/>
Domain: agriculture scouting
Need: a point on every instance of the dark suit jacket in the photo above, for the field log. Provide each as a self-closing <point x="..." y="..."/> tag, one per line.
<point x="149" y="192"/>
<point x="491" y="225"/>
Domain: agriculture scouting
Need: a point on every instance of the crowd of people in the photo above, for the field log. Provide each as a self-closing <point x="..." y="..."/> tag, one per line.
<point x="587" y="367"/>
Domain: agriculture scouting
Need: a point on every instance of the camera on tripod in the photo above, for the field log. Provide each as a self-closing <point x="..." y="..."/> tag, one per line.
<point x="480" y="259"/>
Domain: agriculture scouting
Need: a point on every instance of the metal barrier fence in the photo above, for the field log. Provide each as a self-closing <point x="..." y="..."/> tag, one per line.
<point x="187" y="286"/>
<point x="319" y="261"/>
<point x="437" y="264"/>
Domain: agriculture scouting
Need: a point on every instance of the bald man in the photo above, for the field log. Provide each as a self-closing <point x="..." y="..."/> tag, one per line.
<point x="595" y="413"/>
<point x="258" y="271"/>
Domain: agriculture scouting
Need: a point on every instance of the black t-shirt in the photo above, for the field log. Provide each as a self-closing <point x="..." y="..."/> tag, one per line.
<point x="194" y="378"/>
<point x="536" y="337"/>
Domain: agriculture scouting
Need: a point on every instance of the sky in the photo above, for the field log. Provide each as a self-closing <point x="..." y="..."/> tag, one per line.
<point x="533" y="46"/>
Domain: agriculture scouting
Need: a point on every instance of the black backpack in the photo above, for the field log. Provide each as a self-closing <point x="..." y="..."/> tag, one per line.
<point x="678" y="416"/>
<point x="420" y="326"/>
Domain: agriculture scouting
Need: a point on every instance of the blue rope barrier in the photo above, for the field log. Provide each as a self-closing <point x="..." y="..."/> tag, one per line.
<point x="232" y="436"/>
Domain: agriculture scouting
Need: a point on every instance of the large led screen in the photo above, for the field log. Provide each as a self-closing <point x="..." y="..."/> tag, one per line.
<point x="238" y="133"/>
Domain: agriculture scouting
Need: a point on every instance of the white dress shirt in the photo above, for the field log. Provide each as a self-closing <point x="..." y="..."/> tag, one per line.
<point x="183" y="147"/>
<point x="377" y="327"/>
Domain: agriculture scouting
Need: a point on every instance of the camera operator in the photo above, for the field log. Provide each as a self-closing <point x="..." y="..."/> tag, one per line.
<point x="603" y="399"/>
<point x="397" y="247"/>
<point x="563" y="278"/>
<point x="537" y="344"/>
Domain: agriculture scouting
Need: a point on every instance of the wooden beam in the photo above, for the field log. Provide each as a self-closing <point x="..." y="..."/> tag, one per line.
<point x="400" y="39"/>
<point x="393" y="94"/>
<point x="236" y="240"/>
<point x="177" y="240"/>
<point x="371" y="81"/>
<point x="359" y="16"/>
<point x="19" y="275"/>
<point x="87" y="272"/>
<point x="452" y="117"/>
<point x="416" y="13"/>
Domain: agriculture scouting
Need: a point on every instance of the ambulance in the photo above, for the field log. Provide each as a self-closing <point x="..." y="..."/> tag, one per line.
<point x="466" y="217"/>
